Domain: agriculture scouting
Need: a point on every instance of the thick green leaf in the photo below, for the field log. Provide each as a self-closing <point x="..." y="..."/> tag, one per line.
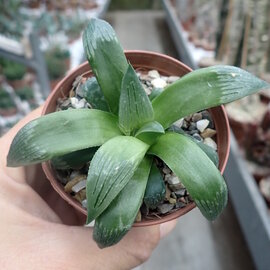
<point x="135" y="108"/>
<point x="196" y="171"/>
<point x="60" y="133"/>
<point x="149" y="132"/>
<point x="111" y="168"/>
<point x="117" y="219"/>
<point x="155" y="190"/>
<point x="208" y="150"/>
<point x="92" y="93"/>
<point x="107" y="59"/>
<point x="202" y="89"/>
<point x="74" y="159"/>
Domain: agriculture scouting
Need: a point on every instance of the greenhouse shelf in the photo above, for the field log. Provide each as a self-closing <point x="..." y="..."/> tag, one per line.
<point x="250" y="207"/>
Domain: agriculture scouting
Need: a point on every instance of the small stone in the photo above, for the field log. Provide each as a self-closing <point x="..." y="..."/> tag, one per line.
<point x="210" y="142"/>
<point x="172" y="201"/>
<point x="79" y="91"/>
<point x="84" y="203"/>
<point x="180" y="205"/>
<point x="147" y="90"/>
<point x="165" y="208"/>
<point x="207" y="115"/>
<point x="208" y="133"/>
<point x="81" y="104"/>
<point x="188" y="118"/>
<point x="74" y="102"/>
<point x="77" y="81"/>
<point x="167" y="177"/>
<point x="197" y="137"/>
<point x="196" y="117"/>
<point x="185" y="124"/>
<point x="65" y="104"/>
<point x="180" y="192"/>
<point x="74" y="174"/>
<point x="172" y="79"/>
<point x="176" y="187"/>
<point x="173" y="195"/>
<point x="179" y="123"/>
<point x="144" y="77"/>
<point x="168" y="193"/>
<point x="202" y="124"/>
<point x="153" y="74"/>
<point x="79" y="186"/>
<point x="182" y="199"/>
<point x="159" y="83"/>
<point x="72" y="182"/>
<point x="166" y="170"/>
<point x="173" y="180"/>
<point x="80" y="196"/>
<point x="192" y="126"/>
<point x="78" y="104"/>
<point x="138" y="217"/>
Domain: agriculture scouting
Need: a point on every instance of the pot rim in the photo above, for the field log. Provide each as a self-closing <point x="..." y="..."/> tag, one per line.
<point x="148" y="55"/>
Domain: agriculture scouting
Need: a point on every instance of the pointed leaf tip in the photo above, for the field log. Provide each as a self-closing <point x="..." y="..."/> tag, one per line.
<point x="202" y="89"/>
<point x="111" y="226"/>
<point x="107" y="59"/>
<point x="55" y="135"/>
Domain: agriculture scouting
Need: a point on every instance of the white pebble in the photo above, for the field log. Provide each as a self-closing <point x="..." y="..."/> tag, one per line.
<point x="84" y="203"/>
<point x="179" y="123"/>
<point x="79" y="186"/>
<point x="173" y="180"/>
<point x="172" y="79"/>
<point x="158" y="83"/>
<point x="77" y="104"/>
<point x="202" y="124"/>
<point x="74" y="101"/>
<point x="153" y="74"/>
<point x="166" y="170"/>
<point x="210" y="142"/>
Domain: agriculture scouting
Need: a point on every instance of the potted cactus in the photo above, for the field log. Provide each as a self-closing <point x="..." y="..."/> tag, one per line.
<point x="125" y="131"/>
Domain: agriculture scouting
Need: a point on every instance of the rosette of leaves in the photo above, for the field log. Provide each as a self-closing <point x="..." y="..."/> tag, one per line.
<point x="122" y="140"/>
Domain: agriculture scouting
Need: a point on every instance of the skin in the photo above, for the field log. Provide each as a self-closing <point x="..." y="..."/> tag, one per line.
<point x="38" y="230"/>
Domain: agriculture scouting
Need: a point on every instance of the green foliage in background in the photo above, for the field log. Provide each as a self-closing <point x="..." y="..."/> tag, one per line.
<point x="25" y="93"/>
<point x="55" y="59"/>
<point x="12" y="70"/>
<point x="6" y="101"/>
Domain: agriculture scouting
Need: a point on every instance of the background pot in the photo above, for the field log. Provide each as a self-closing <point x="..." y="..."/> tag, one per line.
<point x="166" y="66"/>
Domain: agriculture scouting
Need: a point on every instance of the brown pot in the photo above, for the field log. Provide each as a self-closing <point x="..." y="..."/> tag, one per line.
<point x="166" y="66"/>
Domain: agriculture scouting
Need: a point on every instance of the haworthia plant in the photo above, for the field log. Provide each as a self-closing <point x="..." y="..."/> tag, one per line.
<point x="131" y="134"/>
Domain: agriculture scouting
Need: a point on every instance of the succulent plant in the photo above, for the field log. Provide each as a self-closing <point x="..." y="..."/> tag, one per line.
<point x="122" y="141"/>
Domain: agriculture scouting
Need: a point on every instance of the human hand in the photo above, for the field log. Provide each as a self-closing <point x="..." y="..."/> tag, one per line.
<point x="38" y="230"/>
